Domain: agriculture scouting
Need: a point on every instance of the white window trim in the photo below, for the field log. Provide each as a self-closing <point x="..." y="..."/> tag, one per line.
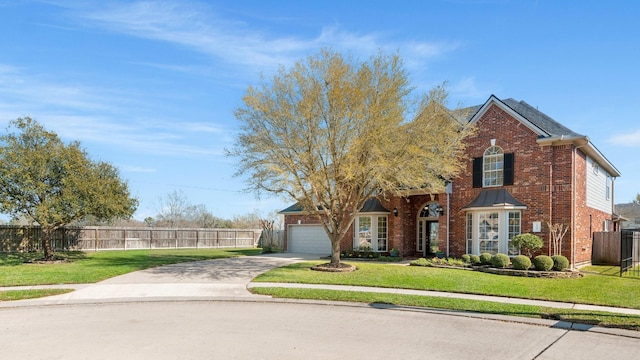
<point x="374" y="231"/>
<point x="503" y="228"/>
<point x="496" y="154"/>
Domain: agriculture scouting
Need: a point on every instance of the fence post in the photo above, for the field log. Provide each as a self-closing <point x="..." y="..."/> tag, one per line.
<point x="176" y="235"/>
<point x="96" y="233"/>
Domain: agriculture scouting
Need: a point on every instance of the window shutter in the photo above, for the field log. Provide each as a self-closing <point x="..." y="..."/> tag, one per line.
<point x="477" y="172"/>
<point x="508" y="169"/>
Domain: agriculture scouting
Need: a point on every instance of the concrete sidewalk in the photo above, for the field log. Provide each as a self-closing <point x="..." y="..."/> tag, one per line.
<point x="498" y="299"/>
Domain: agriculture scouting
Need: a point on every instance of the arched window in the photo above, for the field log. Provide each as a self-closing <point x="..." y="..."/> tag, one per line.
<point x="431" y="210"/>
<point x="493" y="167"/>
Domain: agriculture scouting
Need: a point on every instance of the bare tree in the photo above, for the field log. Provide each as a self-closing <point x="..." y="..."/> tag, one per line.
<point x="267" y="234"/>
<point x="202" y="218"/>
<point x="247" y="221"/>
<point x="173" y="208"/>
<point x="331" y="133"/>
<point x="557" y="234"/>
<point x="176" y="211"/>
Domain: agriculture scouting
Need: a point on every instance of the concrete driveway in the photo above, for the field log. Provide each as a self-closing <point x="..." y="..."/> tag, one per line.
<point x="219" y="279"/>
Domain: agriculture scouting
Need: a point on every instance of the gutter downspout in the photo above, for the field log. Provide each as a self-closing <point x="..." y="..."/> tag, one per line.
<point x="448" y="189"/>
<point x="551" y="198"/>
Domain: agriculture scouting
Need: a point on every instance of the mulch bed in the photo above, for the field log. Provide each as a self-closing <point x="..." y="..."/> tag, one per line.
<point x="329" y="267"/>
<point x="55" y="260"/>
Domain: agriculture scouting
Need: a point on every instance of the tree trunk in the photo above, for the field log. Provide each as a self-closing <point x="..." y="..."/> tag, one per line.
<point x="46" y="245"/>
<point x="335" y="251"/>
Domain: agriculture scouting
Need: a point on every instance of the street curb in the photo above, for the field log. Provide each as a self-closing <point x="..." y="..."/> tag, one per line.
<point x="563" y="325"/>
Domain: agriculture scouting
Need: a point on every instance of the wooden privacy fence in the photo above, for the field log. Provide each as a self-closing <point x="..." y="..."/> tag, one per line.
<point x="20" y="238"/>
<point x="607" y="247"/>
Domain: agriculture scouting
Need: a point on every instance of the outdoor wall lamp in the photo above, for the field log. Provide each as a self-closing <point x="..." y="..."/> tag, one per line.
<point x="395" y="211"/>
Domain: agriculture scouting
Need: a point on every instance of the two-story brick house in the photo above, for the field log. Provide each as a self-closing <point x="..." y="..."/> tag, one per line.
<point x="523" y="170"/>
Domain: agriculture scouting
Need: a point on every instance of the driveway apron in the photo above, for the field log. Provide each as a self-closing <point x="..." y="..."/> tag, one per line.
<point x="220" y="278"/>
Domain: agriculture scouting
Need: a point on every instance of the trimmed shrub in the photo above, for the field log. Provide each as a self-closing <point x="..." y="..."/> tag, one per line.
<point x="527" y="242"/>
<point x="420" y="262"/>
<point x="521" y="262"/>
<point x="500" y="261"/>
<point x="475" y="259"/>
<point x="485" y="258"/>
<point x="466" y="258"/>
<point x="543" y="263"/>
<point x="560" y="263"/>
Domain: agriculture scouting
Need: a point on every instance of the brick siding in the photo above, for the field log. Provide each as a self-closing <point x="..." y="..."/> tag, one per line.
<point x="543" y="180"/>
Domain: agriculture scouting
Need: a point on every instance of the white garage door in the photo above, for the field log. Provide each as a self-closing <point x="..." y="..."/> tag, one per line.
<point x="308" y="239"/>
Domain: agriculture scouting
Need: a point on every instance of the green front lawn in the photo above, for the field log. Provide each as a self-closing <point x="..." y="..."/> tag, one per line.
<point x="591" y="289"/>
<point x="486" y="307"/>
<point x="91" y="267"/>
<point x="30" y="294"/>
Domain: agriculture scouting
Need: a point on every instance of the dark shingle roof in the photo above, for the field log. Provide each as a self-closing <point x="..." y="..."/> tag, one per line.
<point x="370" y="206"/>
<point x="492" y="198"/>
<point x="539" y="119"/>
<point x="373" y="205"/>
<point x="536" y="117"/>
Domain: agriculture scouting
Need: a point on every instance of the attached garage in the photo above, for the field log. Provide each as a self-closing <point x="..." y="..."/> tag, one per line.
<point x="308" y="239"/>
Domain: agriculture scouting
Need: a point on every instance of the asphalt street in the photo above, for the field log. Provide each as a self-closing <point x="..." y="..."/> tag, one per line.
<point x="203" y="310"/>
<point x="282" y="330"/>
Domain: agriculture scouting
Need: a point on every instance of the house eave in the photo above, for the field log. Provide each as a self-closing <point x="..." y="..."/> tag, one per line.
<point x="494" y="100"/>
<point x="586" y="146"/>
<point x="495" y="207"/>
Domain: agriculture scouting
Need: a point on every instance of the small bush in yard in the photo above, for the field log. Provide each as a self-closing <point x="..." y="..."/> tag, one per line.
<point x="543" y="263"/>
<point x="527" y="242"/>
<point x="485" y="258"/>
<point x="475" y="259"/>
<point x="420" y="262"/>
<point x="500" y="261"/>
<point x="466" y="258"/>
<point x="560" y="263"/>
<point x="521" y="262"/>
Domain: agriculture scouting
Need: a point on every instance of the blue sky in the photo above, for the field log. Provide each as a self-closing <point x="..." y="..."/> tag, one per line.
<point x="151" y="86"/>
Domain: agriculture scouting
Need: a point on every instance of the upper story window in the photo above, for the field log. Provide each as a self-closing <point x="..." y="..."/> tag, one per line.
<point x="493" y="167"/>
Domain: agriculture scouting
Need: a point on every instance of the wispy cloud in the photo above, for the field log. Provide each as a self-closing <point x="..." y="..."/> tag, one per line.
<point x="200" y="28"/>
<point x="137" y="169"/>
<point x="631" y="139"/>
<point x="146" y="137"/>
<point x="468" y="88"/>
<point x="94" y="114"/>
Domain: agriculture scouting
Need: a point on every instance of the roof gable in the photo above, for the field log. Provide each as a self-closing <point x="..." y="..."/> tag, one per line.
<point x="537" y="121"/>
<point x="549" y="131"/>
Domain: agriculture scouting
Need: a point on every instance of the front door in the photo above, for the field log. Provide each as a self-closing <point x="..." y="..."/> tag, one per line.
<point x="428" y="237"/>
